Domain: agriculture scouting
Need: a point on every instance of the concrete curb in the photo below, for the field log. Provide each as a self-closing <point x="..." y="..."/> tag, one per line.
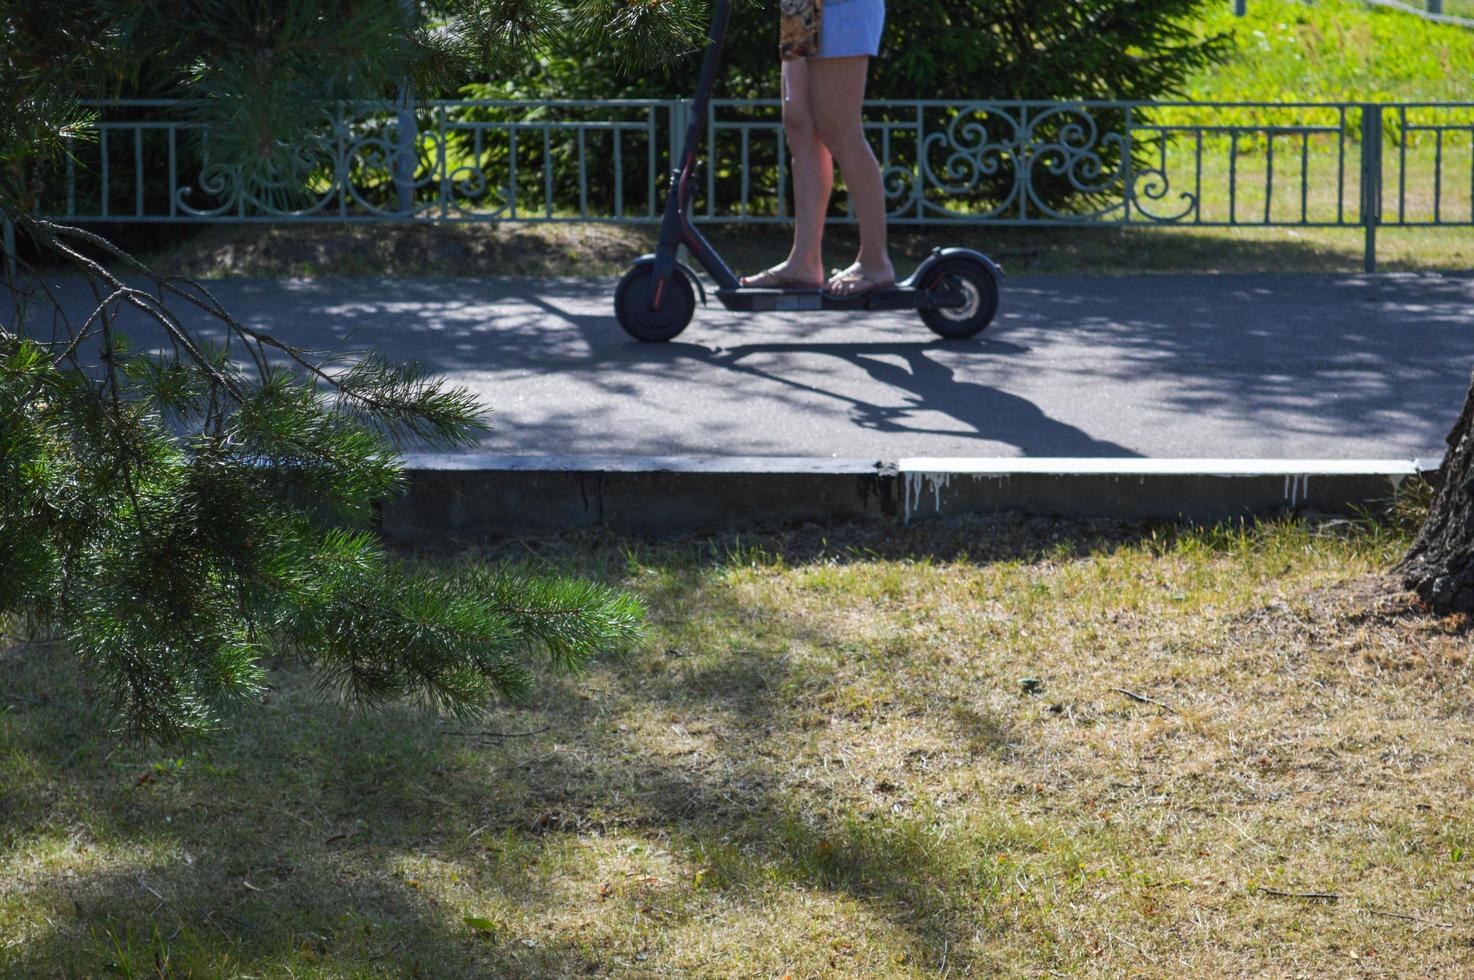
<point x="1137" y="489"/>
<point x="473" y="494"/>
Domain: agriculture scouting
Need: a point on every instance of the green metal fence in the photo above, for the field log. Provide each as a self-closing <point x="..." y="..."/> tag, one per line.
<point x="1339" y="165"/>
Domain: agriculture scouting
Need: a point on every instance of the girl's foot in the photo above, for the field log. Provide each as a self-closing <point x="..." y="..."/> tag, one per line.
<point x="857" y="279"/>
<point x="781" y="277"/>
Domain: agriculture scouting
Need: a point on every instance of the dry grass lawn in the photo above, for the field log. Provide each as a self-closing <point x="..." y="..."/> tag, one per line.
<point x="842" y="752"/>
<point x="607" y="250"/>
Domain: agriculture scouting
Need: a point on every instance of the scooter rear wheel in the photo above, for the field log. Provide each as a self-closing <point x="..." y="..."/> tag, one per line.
<point x="977" y="283"/>
<point x="632" y="305"/>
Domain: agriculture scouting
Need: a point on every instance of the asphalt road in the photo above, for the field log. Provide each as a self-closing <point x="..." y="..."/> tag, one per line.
<point x="1291" y="366"/>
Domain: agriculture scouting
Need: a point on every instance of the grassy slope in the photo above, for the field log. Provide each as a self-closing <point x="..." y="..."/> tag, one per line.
<point x="821" y="762"/>
<point x="1336" y="50"/>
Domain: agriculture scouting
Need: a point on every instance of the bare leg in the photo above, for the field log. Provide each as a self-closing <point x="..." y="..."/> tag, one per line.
<point x="813" y="181"/>
<point x="837" y="96"/>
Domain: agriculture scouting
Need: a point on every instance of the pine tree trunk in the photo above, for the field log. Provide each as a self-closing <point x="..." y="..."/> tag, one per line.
<point x="1440" y="565"/>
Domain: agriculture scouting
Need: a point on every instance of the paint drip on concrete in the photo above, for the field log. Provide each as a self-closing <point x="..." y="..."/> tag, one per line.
<point x="916" y="489"/>
<point x="1297" y="489"/>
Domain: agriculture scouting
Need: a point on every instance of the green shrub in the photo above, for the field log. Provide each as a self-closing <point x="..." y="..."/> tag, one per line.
<point x="948" y="49"/>
<point x="934" y="49"/>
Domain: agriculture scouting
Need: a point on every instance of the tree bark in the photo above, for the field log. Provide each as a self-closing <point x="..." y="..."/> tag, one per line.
<point x="1440" y="565"/>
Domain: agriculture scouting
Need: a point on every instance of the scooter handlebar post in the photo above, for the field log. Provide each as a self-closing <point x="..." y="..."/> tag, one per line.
<point x="681" y="188"/>
<point x="716" y="40"/>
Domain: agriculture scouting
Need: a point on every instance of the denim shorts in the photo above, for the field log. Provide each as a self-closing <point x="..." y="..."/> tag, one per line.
<point x="851" y="27"/>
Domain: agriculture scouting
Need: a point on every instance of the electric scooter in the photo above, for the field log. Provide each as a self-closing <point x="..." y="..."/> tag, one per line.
<point x="955" y="289"/>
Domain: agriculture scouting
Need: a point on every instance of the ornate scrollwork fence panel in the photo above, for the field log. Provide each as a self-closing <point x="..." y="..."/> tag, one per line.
<point x="1032" y="163"/>
<point x="438" y="161"/>
<point x="985" y="162"/>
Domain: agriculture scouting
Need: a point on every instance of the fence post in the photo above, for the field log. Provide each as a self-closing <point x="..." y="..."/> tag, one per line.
<point x="8" y="246"/>
<point x="1371" y="179"/>
<point x="1240" y="8"/>
<point x="1435" y="6"/>
<point x="406" y="155"/>
<point x="680" y="118"/>
<point x="406" y="135"/>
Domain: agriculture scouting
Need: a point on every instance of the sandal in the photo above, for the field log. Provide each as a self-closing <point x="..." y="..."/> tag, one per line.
<point x="774" y="279"/>
<point x="856" y="283"/>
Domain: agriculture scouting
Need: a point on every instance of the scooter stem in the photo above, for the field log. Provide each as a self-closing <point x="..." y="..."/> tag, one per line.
<point x="674" y="228"/>
<point x="716" y="39"/>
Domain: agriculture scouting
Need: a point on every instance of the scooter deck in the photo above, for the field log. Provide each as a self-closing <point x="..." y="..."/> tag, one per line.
<point x="899" y="298"/>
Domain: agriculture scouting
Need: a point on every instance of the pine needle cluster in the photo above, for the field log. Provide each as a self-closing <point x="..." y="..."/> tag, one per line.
<point x="180" y="517"/>
<point x="183" y="514"/>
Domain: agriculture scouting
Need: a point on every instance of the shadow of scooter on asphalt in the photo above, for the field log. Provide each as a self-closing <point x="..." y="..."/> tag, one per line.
<point x="928" y="386"/>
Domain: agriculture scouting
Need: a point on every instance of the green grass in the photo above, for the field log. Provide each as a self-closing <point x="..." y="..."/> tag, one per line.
<point x="819" y="762"/>
<point x="1335" y="50"/>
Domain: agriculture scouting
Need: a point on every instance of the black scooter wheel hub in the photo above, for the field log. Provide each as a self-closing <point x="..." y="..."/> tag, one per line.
<point x="979" y="288"/>
<point x="645" y="322"/>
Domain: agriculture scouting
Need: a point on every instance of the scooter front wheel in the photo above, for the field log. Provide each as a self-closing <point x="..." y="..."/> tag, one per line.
<point x="979" y="288"/>
<point x="633" y="308"/>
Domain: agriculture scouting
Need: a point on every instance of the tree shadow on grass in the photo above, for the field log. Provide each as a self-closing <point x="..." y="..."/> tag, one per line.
<point x="1089" y="250"/>
<point x="281" y="848"/>
<point x="310" y="838"/>
<point x="513" y="250"/>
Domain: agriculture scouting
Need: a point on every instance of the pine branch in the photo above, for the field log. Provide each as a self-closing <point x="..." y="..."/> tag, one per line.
<point x="171" y="514"/>
<point x="401" y="397"/>
<point x="139" y="300"/>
